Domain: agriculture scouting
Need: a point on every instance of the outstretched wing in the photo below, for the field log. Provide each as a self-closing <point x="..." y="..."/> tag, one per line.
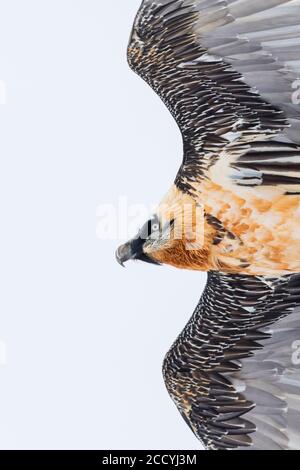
<point x="234" y="372"/>
<point x="227" y="71"/>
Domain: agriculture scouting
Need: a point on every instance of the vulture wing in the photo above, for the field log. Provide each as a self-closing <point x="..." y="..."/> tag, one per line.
<point x="234" y="372"/>
<point x="228" y="72"/>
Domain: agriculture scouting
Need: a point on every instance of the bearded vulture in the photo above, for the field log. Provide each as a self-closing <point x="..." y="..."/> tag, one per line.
<point x="228" y="71"/>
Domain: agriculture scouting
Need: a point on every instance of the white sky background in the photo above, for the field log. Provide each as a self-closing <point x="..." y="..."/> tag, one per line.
<point x="84" y="339"/>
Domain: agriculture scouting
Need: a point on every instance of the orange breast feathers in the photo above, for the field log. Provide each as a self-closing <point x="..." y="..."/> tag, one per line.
<point x="251" y="231"/>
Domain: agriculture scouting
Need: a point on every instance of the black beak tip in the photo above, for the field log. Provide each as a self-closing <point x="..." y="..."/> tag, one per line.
<point x="119" y="259"/>
<point x="124" y="253"/>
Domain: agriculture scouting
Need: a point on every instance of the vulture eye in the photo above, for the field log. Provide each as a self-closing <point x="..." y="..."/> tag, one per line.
<point x="151" y="227"/>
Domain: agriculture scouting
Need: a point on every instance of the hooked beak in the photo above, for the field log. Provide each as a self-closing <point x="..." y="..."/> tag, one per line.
<point x="133" y="250"/>
<point x="124" y="253"/>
